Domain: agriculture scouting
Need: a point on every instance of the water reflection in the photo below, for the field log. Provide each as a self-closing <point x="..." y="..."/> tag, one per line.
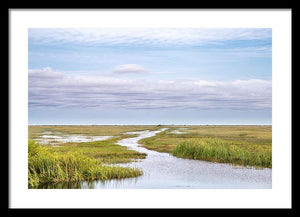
<point x="61" y="185"/>
<point x="114" y="183"/>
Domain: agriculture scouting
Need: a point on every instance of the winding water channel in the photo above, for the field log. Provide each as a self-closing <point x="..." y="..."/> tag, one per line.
<point x="164" y="171"/>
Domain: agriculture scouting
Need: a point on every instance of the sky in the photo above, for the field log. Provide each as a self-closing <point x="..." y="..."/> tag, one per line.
<point x="150" y="76"/>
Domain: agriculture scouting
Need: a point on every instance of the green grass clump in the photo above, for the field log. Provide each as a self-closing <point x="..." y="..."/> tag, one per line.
<point x="240" y="145"/>
<point x="48" y="165"/>
<point x="105" y="151"/>
<point x="221" y="151"/>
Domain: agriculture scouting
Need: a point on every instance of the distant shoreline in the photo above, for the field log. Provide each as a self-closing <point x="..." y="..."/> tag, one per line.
<point x="149" y="124"/>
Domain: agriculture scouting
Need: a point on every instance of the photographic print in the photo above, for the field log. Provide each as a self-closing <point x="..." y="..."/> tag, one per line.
<point x="150" y="108"/>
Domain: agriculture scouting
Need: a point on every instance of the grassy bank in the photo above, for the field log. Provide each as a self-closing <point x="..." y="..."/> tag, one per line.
<point x="50" y="165"/>
<point x="75" y="161"/>
<point x="223" y="152"/>
<point x="239" y="145"/>
<point x="106" y="151"/>
<point x="88" y="130"/>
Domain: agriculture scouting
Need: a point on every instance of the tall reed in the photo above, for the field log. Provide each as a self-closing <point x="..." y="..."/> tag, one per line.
<point x="47" y="165"/>
<point x="216" y="150"/>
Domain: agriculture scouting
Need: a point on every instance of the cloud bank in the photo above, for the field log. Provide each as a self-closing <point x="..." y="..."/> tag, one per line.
<point x="48" y="88"/>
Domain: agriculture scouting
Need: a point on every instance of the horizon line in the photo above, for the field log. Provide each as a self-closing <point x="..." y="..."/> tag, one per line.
<point x="149" y="124"/>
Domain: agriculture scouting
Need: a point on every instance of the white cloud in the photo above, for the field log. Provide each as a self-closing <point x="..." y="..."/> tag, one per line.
<point x="129" y="68"/>
<point x="54" y="89"/>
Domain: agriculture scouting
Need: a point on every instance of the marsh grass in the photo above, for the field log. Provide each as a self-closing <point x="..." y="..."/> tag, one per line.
<point x="87" y="130"/>
<point x="105" y="151"/>
<point x="216" y="150"/>
<point x="76" y="161"/>
<point x="48" y="165"/>
<point x="240" y="145"/>
<point x="71" y="162"/>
